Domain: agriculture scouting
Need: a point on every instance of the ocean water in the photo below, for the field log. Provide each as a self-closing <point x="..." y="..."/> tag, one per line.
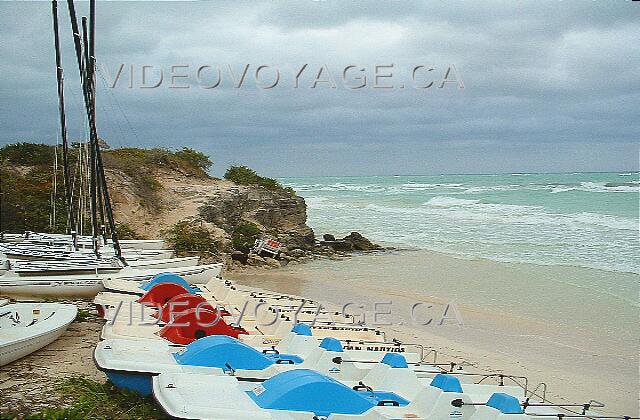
<point x="581" y="219"/>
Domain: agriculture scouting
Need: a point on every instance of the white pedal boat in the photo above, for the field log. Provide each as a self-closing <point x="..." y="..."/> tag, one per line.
<point x="307" y="394"/>
<point x="220" y="293"/>
<point x="264" y="330"/>
<point x="126" y="361"/>
<point x="256" y="336"/>
<point x="27" y="327"/>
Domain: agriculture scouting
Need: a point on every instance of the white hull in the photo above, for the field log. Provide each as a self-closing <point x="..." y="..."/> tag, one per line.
<point x="89" y="285"/>
<point x="198" y="274"/>
<point x="52" y="238"/>
<point x="45" y="252"/>
<point x="42" y="287"/>
<point x="165" y="263"/>
<point x="17" y="341"/>
<point x="148" y="244"/>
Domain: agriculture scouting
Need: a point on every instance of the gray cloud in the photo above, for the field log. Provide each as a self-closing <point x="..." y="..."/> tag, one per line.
<point x="549" y="86"/>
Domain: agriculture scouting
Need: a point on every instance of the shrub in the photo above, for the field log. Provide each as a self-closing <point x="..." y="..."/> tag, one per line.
<point x="189" y="237"/>
<point x="244" y="175"/>
<point x="25" y="201"/>
<point x="188" y="160"/>
<point x="29" y="154"/>
<point x="127" y="232"/>
<point x="194" y="158"/>
<point x="244" y="236"/>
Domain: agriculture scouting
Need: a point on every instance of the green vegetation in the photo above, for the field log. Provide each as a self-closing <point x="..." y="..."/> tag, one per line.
<point x="25" y="199"/>
<point x="91" y="399"/>
<point x="28" y="154"/>
<point x="26" y="180"/>
<point x="127" y="232"/>
<point x="83" y="315"/>
<point x="187" y="160"/>
<point x="244" y="236"/>
<point x="244" y="175"/>
<point x="190" y="237"/>
<point x="194" y="158"/>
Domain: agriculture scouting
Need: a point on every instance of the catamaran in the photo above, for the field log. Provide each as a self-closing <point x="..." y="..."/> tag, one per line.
<point x="52" y="264"/>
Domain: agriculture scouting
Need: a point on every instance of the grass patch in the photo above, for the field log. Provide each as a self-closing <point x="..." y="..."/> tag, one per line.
<point x="91" y="399"/>
<point x="83" y="315"/>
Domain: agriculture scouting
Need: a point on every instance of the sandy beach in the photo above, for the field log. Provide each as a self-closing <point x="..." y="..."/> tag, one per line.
<point x="577" y="363"/>
<point x="29" y="385"/>
<point x="581" y="346"/>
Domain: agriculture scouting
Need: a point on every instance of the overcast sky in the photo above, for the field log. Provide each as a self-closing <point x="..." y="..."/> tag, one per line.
<point x="548" y="85"/>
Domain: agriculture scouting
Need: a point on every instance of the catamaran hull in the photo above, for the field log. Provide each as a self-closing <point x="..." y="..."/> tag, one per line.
<point x="123" y="282"/>
<point x="165" y="263"/>
<point x="60" y="239"/>
<point x="43" y="288"/>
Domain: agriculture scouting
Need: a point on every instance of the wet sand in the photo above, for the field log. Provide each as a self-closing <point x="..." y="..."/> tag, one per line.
<point x="545" y="323"/>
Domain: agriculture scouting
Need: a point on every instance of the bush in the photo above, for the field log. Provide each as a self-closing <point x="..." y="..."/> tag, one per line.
<point x="244" y="236"/>
<point x="188" y="160"/>
<point x="244" y="175"/>
<point x="194" y="158"/>
<point x="29" y="154"/>
<point x="189" y="237"/>
<point x="25" y="201"/>
<point x="127" y="232"/>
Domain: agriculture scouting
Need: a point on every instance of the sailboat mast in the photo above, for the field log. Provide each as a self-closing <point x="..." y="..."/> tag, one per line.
<point x="92" y="83"/>
<point x="100" y="167"/>
<point x="77" y="42"/>
<point x="92" y="134"/>
<point x="71" y="224"/>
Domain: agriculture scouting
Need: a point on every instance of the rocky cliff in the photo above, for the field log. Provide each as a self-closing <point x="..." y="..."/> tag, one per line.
<point x="215" y="204"/>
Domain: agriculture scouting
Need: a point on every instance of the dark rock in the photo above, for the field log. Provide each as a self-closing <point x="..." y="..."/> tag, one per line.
<point x="239" y="256"/>
<point x="328" y="237"/>
<point x="339" y="245"/>
<point x="360" y="243"/>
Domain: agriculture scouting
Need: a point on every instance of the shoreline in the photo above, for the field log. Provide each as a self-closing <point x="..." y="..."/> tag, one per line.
<point x="574" y="360"/>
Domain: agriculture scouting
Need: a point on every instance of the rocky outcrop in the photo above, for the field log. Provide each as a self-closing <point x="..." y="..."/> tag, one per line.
<point x="279" y="214"/>
<point x="352" y="242"/>
<point x="360" y="243"/>
<point x="216" y="204"/>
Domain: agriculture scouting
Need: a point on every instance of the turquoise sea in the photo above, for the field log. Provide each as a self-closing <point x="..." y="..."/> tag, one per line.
<point x="576" y="219"/>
